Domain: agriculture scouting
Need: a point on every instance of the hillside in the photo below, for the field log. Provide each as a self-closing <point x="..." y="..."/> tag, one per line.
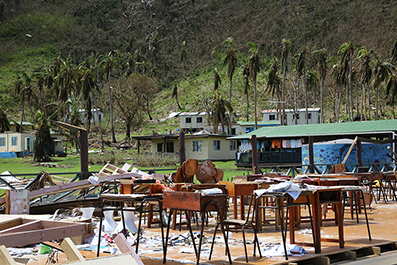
<point x="33" y="33"/>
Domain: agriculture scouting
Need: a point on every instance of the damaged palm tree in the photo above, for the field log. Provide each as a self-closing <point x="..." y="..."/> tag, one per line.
<point x="43" y="138"/>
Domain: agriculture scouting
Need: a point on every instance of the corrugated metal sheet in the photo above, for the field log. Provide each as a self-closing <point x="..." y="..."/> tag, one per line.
<point x="357" y="128"/>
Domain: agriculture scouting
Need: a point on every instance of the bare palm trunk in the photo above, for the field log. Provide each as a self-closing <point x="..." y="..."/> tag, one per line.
<point x="256" y="117"/>
<point x="111" y="111"/>
<point x="248" y="106"/>
<point x="376" y="103"/>
<point x="322" y="99"/>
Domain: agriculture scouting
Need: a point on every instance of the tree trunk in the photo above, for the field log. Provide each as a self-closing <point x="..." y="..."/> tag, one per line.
<point x="248" y="106"/>
<point x="230" y="90"/>
<point x="322" y="99"/>
<point x="111" y="111"/>
<point x="256" y="117"/>
<point x="376" y="103"/>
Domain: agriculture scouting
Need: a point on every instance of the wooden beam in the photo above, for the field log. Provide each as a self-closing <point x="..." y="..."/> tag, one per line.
<point x="71" y="251"/>
<point x="33" y="225"/>
<point x="350" y="150"/>
<point x="125" y="247"/>
<point x="10" y="223"/>
<point x="19" y="239"/>
<point x="74" y="186"/>
<point x="119" y="259"/>
<point x="5" y="257"/>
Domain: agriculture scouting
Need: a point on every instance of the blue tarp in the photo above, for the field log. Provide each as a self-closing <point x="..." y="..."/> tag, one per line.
<point x="7" y="155"/>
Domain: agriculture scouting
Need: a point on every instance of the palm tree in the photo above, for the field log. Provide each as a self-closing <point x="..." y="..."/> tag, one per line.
<point x="301" y="71"/>
<point x="228" y="59"/>
<point x="4" y="123"/>
<point x="312" y="82"/>
<point x="346" y="52"/>
<point x="393" y="53"/>
<point x="391" y="89"/>
<point x="182" y="57"/>
<point x="175" y="94"/>
<point x="43" y="138"/>
<point x="246" y="74"/>
<point x="322" y="71"/>
<point x="286" y="43"/>
<point x="108" y="64"/>
<point x="366" y="72"/>
<point x="338" y="73"/>
<point x="23" y="87"/>
<point x="254" y="68"/>
<point x="273" y="83"/>
<point x="381" y="72"/>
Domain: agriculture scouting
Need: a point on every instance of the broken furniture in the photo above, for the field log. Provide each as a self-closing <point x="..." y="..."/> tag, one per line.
<point x="354" y="194"/>
<point x="140" y="204"/>
<point x="17" y="232"/>
<point x="239" y="189"/>
<point x="319" y="196"/>
<point x="284" y="200"/>
<point x="236" y="225"/>
<point x="195" y="202"/>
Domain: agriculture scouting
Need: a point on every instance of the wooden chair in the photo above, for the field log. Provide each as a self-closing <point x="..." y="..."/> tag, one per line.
<point x="236" y="225"/>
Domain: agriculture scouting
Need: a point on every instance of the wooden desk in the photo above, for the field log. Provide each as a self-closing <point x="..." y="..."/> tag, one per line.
<point x="241" y="189"/>
<point x="197" y="202"/>
<point x="141" y="204"/>
<point x="320" y="196"/>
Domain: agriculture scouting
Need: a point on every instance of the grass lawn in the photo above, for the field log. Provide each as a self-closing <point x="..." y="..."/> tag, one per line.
<point x="71" y="163"/>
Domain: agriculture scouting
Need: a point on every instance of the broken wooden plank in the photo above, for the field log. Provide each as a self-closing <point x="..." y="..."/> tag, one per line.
<point x="33" y="225"/>
<point x="52" y="230"/>
<point x="119" y="259"/>
<point x="75" y="185"/>
<point x="125" y="247"/>
<point x="5" y="257"/>
<point x="71" y="251"/>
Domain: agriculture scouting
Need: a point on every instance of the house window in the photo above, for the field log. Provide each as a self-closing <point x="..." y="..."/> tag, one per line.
<point x="199" y="119"/>
<point x="189" y="120"/>
<point x="217" y="145"/>
<point x="272" y="117"/>
<point x="233" y="131"/>
<point x="2" y="141"/>
<point x="232" y="145"/>
<point x="170" y="147"/>
<point x="309" y="116"/>
<point x="296" y="116"/>
<point x="196" y="146"/>
<point x="160" y="147"/>
<point x="14" y="141"/>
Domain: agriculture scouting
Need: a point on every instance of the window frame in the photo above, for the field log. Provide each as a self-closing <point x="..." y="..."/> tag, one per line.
<point x="217" y="145"/>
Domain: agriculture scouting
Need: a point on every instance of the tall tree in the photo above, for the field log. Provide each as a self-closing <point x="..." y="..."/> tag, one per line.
<point x="338" y="73"/>
<point x="322" y="71"/>
<point x="301" y="70"/>
<point x="229" y="60"/>
<point x="273" y="83"/>
<point x="366" y="73"/>
<point x="43" y="138"/>
<point x="110" y="63"/>
<point x="129" y="94"/>
<point x="346" y="52"/>
<point x="24" y="88"/>
<point x="182" y="57"/>
<point x="254" y="68"/>
<point x="4" y="123"/>
<point x="381" y="72"/>
<point x="246" y="75"/>
<point x="286" y="46"/>
<point x="391" y="89"/>
<point x="175" y="95"/>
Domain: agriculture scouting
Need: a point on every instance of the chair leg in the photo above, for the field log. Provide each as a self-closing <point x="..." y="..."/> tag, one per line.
<point x="213" y="240"/>
<point x="366" y="217"/>
<point x="282" y="230"/>
<point x="311" y="219"/>
<point x="245" y="246"/>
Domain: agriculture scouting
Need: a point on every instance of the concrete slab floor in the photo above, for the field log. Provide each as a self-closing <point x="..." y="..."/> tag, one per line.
<point x="381" y="217"/>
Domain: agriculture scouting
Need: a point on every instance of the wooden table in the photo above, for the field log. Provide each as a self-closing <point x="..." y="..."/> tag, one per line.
<point x="320" y="196"/>
<point x="239" y="189"/>
<point x="195" y="202"/>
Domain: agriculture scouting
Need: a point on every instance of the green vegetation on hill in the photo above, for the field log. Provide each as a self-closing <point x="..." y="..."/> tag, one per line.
<point x="173" y="42"/>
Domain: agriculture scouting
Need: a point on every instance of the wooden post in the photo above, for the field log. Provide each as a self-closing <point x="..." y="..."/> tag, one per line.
<point x="255" y="168"/>
<point x="84" y="153"/>
<point x="359" y="154"/>
<point x="182" y="151"/>
<point x="311" y="155"/>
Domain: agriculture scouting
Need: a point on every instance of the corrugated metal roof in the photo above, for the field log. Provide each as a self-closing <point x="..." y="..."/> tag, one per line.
<point x="363" y="127"/>
<point x="290" y="110"/>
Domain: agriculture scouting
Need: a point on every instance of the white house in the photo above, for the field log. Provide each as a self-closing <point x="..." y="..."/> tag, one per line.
<point x="294" y="117"/>
<point x="193" y="121"/>
<point x="16" y="142"/>
<point x="97" y="115"/>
